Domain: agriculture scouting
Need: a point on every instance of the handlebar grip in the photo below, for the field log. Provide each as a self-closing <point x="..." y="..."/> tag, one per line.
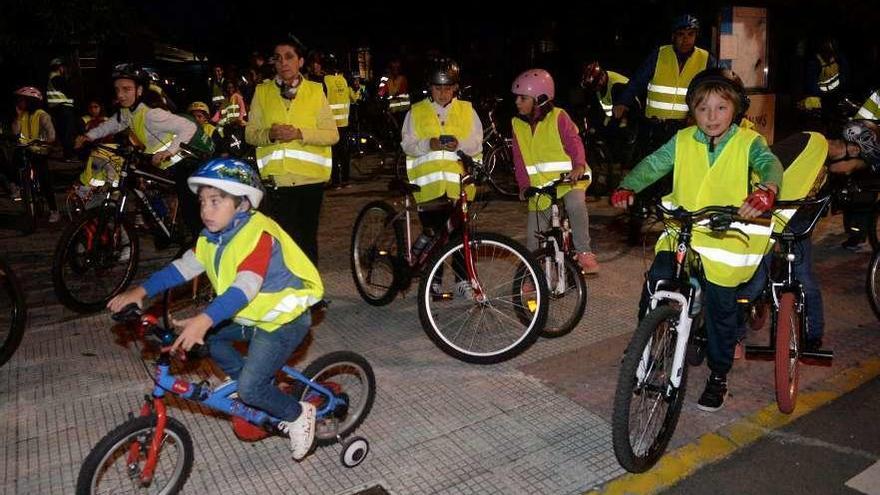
<point x="131" y="312"/>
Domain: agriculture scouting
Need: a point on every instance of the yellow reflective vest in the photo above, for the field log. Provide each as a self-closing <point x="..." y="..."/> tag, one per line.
<point x="139" y="128"/>
<point x="803" y="177"/>
<point x="729" y="258"/>
<point x="544" y="156"/>
<point x="438" y="172"/>
<point x="54" y="96"/>
<point x="871" y="107"/>
<point x="605" y="99"/>
<point x="340" y="96"/>
<point x="668" y="87"/>
<point x="829" y="75"/>
<point x="268" y="310"/>
<point x="301" y="162"/>
<point x="29" y="126"/>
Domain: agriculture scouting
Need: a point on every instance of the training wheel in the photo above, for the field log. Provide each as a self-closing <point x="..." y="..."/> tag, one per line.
<point x="354" y="451"/>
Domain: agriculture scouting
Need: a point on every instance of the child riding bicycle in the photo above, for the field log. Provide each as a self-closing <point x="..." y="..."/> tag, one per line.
<point x="264" y="283"/>
<point x="711" y="164"/>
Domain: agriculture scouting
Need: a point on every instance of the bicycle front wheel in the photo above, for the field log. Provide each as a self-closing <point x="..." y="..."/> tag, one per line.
<point x="872" y="286"/>
<point x="116" y="463"/>
<point x="13" y="313"/>
<point x="567" y="293"/>
<point x="376" y="253"/>
<point x="483" y="326"/>
<point x="788" y="327"/>
<point x="646" y="404"/>
<point x="96" y="258"/>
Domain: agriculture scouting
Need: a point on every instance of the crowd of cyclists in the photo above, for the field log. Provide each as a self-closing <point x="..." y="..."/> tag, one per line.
<point x="279" y="138"/>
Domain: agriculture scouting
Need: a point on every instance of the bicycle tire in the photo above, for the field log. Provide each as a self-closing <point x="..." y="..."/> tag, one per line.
<point x="499" y="168"/>
<point x="141" y="426"/>
<point x="11" y="291"/>
<point x="787" y="368"/>
<point x="872" y="284"/>
<point x="71" y="252"/>
<point x="561" y="322"/>
<point x="874" y="230"/>
<point x="28" y="203"/>
<point x="627" y="388"/>
<point x="498" y="347"/>
<point x="320" y="370"/>
<point x="381" y="255"/>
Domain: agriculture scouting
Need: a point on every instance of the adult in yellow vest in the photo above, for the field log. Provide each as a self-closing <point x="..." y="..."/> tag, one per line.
<point x="324" y="69"/>
<point x="871" y="108"/>
<point x="827" y="78"/>
<point x="607" y="86"/>
<point x="264" y="283"/>
<point x="546" y="145"/>
<point x="665" y="75"/>
<point x="215" y="86"/>
<point x="712" y="163"/>
<point x="158" y="130"/>
<point x="433" y="131"/>
<point x="394" y="86"/>
<point x="59" y="99"/>
<point x="32" y="123"/>
<point x="292" y="126"/>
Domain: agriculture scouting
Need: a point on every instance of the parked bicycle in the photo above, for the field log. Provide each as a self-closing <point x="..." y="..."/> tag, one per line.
<point x="154" y="452"/>
<point x="784" y="297"/>
<point x="653" y="375"/>
<point x="13" y="312"/>
<point x="97" y="255"/>
<point x="471" y="295"/>
<point x="32" y="196"/>
<point x="498" y="156"/>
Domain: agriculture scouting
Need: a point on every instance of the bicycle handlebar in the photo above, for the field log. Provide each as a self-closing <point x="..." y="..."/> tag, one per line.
<point x="133" y="313"/>
<point x="728" y="211"/>
<point x="548" y="189"/>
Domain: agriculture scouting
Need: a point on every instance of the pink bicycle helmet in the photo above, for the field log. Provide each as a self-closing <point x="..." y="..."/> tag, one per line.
<point x="534" y="83"/>
<point x="29" y="92"/>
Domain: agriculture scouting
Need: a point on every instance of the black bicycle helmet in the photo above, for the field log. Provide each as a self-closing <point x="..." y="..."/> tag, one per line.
<point x="720" y="75"/>
<point x="444" y="71"/>
<point x="130" y="71"/>
<point x="685" y="21"/>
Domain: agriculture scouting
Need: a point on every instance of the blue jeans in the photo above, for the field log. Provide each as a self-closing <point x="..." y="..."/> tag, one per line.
<point x="267" y="353"/>
<point x="803" y="272"/>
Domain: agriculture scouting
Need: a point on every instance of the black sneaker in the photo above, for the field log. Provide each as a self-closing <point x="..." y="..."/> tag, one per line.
<point x="714" y="394"/>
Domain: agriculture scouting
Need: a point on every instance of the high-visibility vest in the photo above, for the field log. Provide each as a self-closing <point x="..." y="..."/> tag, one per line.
<point x="339" y="97"/>
<point x="100" y="163"/>
<point x="268" y="310"/>
<point x="54" y="96"/>
<point x="544" y="156"/>
<point x="229" y="111"/>
<point x="217" y="96"/>
<point x="871" y="107"/>
<point x="438" y="172"/>
<point x="803" y="177"/>
<point x="396" y="102"/>
<point x="29" y="126"/>
<point x="729" y="258"/>
<point x="139" y="128"/>
<point x="829" y="75"/>
<point x="307" y="161"/>
<point x="668" y="87"/>
<point x="605" y="99"/>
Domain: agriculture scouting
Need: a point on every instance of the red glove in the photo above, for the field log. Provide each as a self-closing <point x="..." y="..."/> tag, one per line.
<point x="762" y="199"/>
<point x="622" y="198"/>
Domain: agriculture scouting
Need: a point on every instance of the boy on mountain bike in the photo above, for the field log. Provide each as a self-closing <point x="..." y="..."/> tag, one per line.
<point x="711" y="164"/>
<point x="264" y="283"/>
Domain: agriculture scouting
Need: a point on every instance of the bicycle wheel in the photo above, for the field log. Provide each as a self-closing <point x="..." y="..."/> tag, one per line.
<point x="28" y="202"/>
<point x="95" y="259"/>
<point x="347" y="374"/>
<point x="489" y="330"/>
<point x="874" y="230"/>
<point x="13" y="313"/>
<point x="567" y="294"/>
<point x="116" y="462"/>
<point x="646" y="405"/>
<point x="499" y="167"/>
<point x="872" y="285"/>
<point x="376" y="253"/>
<point x="788" y="327"/>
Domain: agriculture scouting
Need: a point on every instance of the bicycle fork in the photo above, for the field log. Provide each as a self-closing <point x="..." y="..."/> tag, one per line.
<point x="683" y="332"/>
<point x="151" y="406"/>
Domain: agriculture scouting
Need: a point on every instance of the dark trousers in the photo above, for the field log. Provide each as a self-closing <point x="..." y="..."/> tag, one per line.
<point x="188" y="202"/>
<point x="341" y="158"/>
<point x="64" y="119"/>
<point x="721" y="312"/>
<point x="297" y="209"/>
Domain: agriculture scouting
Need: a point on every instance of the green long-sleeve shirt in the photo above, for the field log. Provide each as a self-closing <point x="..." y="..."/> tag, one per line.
<point x="656" y="165"/>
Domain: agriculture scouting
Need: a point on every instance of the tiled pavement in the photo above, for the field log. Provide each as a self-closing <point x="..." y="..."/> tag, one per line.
<point x="536" y="424"/>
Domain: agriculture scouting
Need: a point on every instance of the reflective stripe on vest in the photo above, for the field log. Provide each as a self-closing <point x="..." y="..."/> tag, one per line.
<point x="871" y="108"/>
<point x="605" y="100"/>
<point x="438" y="172"/>
<point x="29" y="126"/>
<point x="54" y="96"/>
<point x="339" y="97"/>
<point x="668" y="87"/>
<point x="268" y="310"/>
<point x="160" y="143"/>
<point x="729" y="258"/>
<point x="300" y="162"/>
<point x="544" y="156"/>
<point x="829" y="75"/>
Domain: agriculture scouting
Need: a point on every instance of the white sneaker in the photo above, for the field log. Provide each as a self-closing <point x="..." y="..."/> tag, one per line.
<point x="54" y="217"/>
<point x="301" y="431"/>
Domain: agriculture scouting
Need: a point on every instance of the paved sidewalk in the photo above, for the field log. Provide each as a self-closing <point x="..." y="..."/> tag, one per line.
<point x="536" y="424"/>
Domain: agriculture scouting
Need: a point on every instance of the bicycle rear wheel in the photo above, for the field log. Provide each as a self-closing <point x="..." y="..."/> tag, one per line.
<point x="872" y="284"/>
<point x="499" y="167"/>
<point x="567" y="294"/>
<point x="788" y="327"/>
<point x="376" y="253"/>
<point x="13" y="313"/>
<point x="490" y="329"/>
<point x="96" y="258"/>
<point x="646" y="405"/>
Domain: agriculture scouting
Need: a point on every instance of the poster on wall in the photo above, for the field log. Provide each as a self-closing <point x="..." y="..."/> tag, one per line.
<point x="761" y="113"/>
<point x="743" y="44"/>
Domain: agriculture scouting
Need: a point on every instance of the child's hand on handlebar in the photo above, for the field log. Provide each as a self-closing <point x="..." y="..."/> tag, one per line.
<point x="622" y="198"/>
<point x="760" y="201"/>
<point x="131" y="296"/>
<point x="192" y="332"/>
<point x="160" y="157"/>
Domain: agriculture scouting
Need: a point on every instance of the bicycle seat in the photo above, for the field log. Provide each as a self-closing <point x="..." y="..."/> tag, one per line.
<point x="403" y="187"/>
